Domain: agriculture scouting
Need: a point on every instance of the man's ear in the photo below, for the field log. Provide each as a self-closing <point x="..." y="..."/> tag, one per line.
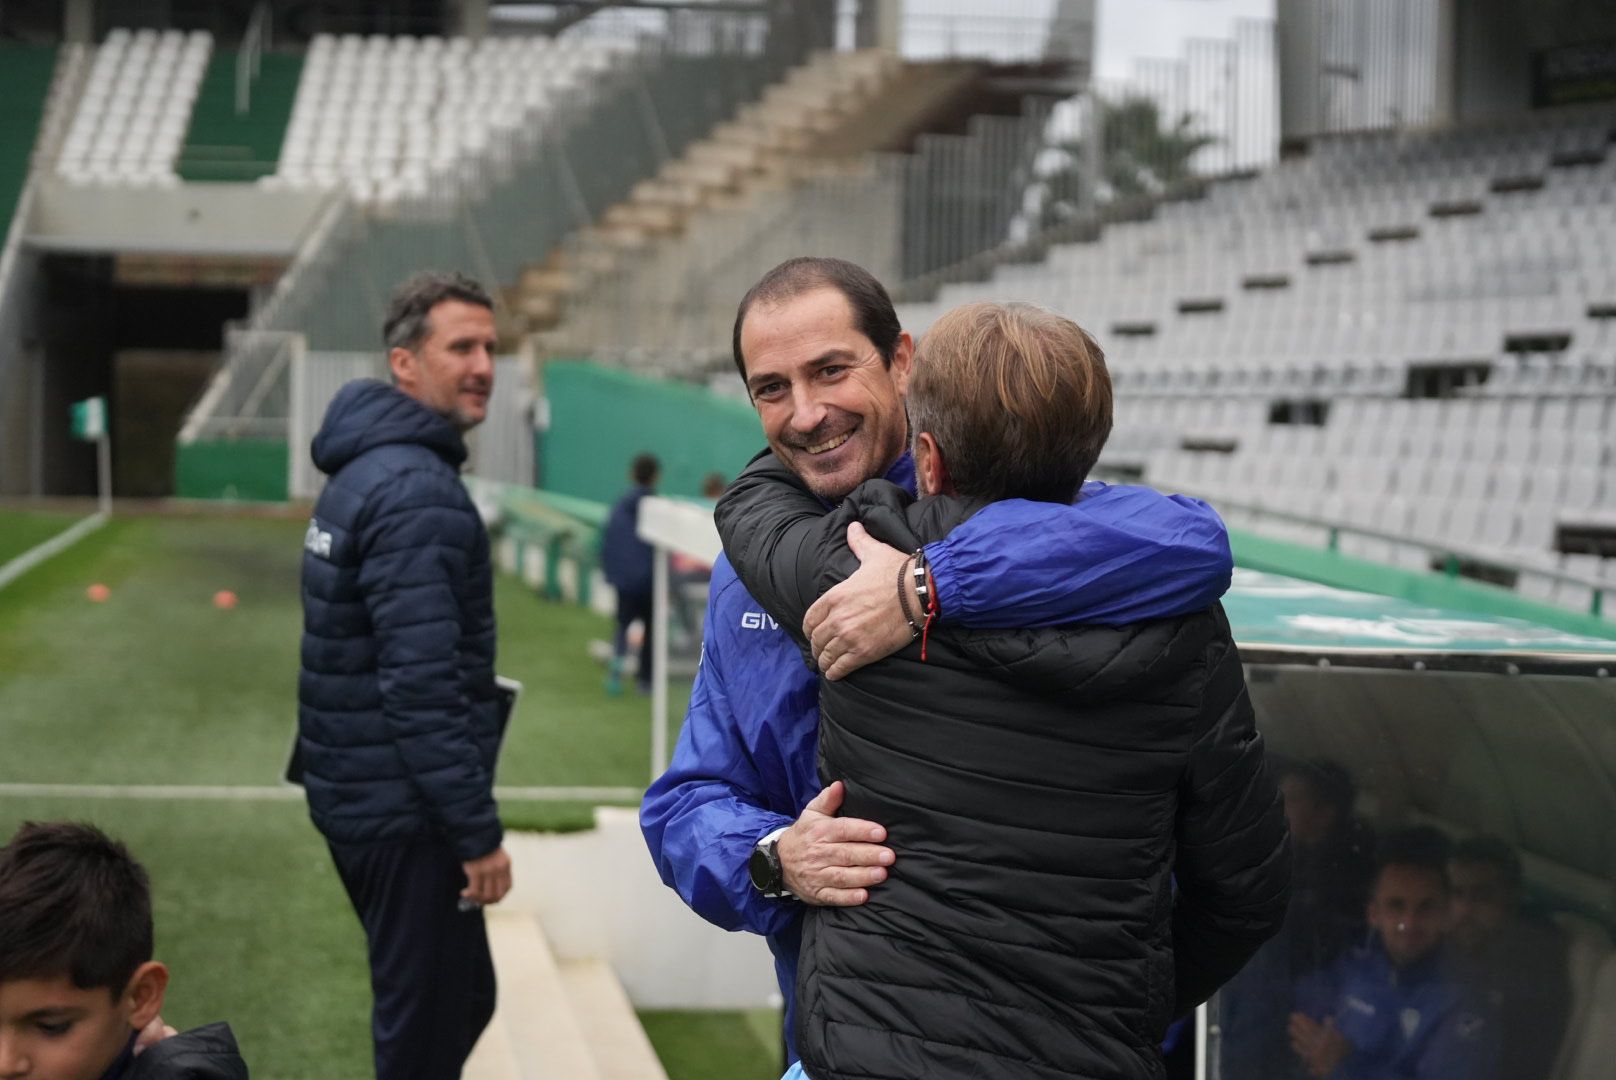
<point x="145" y="992"/>
<point x="402" y="363"/>
<point x="903" y="361"/>
<point x="931" y="472"/>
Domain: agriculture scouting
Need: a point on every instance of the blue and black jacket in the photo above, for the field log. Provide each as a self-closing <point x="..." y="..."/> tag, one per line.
<point x="1415" y="1023"/>
<point x="744" y="764"/>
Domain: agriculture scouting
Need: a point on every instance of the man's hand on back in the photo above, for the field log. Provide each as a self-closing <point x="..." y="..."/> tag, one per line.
<point x="831" y="861"/>
<point x="488" y="879"/>
<point x="860" y="621"/>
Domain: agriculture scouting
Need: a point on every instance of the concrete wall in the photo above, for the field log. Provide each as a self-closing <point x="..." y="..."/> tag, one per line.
<point x="200" y="219"/>
<point x="598" y="896"/>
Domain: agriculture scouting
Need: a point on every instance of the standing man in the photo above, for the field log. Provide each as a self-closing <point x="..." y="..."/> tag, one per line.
<point x="399" y="719"/>
<point x="738" y="825"/>
<point x="627" y="562"/>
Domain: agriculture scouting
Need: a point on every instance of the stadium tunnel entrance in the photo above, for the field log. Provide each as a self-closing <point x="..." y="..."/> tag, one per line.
<point x="105" y="329"/>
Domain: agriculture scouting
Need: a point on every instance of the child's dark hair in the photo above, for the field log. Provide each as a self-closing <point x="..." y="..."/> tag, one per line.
<point x="73" y="902"/>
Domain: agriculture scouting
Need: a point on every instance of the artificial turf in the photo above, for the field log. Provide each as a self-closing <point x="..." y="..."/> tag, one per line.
<point x="23" y="529"/>
<point x="715" y="1045"/>
<point x="158" y="686"/>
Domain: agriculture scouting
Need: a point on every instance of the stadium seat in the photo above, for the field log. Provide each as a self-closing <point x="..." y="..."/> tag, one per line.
<point x="135" y="107"/>
<point x="1511" y="288"/>
<point x="1590" y="1041"/>
<point x="388" y="117"/>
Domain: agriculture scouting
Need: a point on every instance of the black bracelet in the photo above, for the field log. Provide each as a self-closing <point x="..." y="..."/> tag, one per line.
<point x="922" y="581"/>
<point x="903" y="598"/>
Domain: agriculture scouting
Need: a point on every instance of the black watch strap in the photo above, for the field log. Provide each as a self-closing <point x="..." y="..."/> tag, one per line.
<point x="764" y="867"/>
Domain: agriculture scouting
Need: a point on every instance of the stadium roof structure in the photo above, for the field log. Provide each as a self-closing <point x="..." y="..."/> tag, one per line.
<point x="1411" y="621"/>
<point x="1280" y="619"/>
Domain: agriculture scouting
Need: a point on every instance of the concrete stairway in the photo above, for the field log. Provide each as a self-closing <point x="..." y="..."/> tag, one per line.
<point x="768" y="145"/>
<point x="556" y="1020"/>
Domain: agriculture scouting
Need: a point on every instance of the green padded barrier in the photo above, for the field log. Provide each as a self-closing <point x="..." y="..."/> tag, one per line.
<point x="249" y="470"/>
<point x="601" y="417"/>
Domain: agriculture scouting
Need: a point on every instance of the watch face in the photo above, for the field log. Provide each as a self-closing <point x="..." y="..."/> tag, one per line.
<point x="762" y="870"/>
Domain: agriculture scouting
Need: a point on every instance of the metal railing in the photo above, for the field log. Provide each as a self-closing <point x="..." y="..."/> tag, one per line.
<point x="251" y="56"/>
<point x="509" y="207"/>
<point x="1448" y="559"/>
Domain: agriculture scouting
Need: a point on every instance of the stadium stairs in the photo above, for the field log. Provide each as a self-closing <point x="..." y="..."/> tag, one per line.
<point x="221" y="145"/>
<point x="818" y="122"/>
<point x="555" y="1019"/>
<point x="768" y="144"/>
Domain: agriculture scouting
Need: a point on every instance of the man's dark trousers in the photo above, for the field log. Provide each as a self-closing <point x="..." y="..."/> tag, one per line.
<point x="631" y="606"/>
<point x="430" y="969"/>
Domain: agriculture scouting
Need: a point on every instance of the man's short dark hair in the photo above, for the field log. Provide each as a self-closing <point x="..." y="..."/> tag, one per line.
<point x="873" y="313"/>
<point x="406" y="325"/>
<point x="646" y="469"/>
<point x="1328" y="781"/>
<point x="1421" y="847"/>
<point x="1494" y="852"/>
<point x="73" y="902"/>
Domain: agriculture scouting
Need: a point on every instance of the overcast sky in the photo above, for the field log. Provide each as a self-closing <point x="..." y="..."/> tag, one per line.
<point x="1130" y="29"/>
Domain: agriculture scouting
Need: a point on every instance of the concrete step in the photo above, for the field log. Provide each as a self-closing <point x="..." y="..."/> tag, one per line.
<point x="709" y="175"/>
<point x="534" y="1015"/>
<point x="741" y="156"/>
<point x="653" y="218"/>
<point x="667" y="192"/>
<point x="622" y="1050"/>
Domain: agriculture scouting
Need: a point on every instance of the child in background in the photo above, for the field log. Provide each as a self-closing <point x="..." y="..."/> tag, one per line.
<point x="77" y="979"/>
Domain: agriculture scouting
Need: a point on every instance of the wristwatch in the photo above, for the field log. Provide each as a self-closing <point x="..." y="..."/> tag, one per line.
<point x="764" y="867"/>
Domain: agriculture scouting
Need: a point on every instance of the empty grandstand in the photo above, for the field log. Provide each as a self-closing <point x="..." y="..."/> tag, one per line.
<point x="1350" y="268"/>
<point x="1408" y="333"/>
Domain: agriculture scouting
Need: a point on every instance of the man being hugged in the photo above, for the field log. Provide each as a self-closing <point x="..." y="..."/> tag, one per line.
<point x="1043" y="790"/>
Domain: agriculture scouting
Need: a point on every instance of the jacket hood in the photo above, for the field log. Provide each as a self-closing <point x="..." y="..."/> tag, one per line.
<point x="367" y="413"/>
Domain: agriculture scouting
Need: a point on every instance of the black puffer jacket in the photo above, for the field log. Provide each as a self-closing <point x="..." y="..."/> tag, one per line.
<point x="398" y="714"/>
<point x="1042" y="790"/>
<point x="205" y="1053"/>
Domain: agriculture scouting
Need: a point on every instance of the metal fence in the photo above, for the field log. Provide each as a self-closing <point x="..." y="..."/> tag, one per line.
<point x="501" y="448"/>
<point x="898" y="215"/>
<point x="509" y="207"/>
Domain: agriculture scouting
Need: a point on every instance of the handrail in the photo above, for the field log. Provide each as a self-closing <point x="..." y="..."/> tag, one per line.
<point x="1451" y="555"/>
<point x="250" y="59"/>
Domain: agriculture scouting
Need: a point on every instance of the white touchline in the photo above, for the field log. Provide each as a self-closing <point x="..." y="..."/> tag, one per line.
<point x="286" y="792"/>
<point x="57" y="544"/>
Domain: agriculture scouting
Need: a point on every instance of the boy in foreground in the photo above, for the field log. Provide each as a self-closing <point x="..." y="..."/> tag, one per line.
<point x="77" y="979"/>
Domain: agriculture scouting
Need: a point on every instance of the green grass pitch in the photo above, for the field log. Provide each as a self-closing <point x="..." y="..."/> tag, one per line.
<point x="157" y="686"/>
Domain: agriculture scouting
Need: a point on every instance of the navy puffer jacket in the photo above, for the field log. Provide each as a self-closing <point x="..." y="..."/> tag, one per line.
<point x="398" y="714"/>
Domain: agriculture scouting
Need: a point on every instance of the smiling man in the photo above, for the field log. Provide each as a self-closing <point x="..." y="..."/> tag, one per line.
<point x="739" y="825"/>
<point x="1395" y="1008"/>
<point x="399" y="716"/>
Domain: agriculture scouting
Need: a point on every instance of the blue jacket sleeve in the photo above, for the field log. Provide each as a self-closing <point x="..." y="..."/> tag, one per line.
<point x="1118" y="555"/>
<point x="702" y="818"/>
<point x="417" y="546"/>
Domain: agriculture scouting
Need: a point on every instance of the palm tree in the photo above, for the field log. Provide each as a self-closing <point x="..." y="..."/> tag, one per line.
<point x="1139" y="155"/>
